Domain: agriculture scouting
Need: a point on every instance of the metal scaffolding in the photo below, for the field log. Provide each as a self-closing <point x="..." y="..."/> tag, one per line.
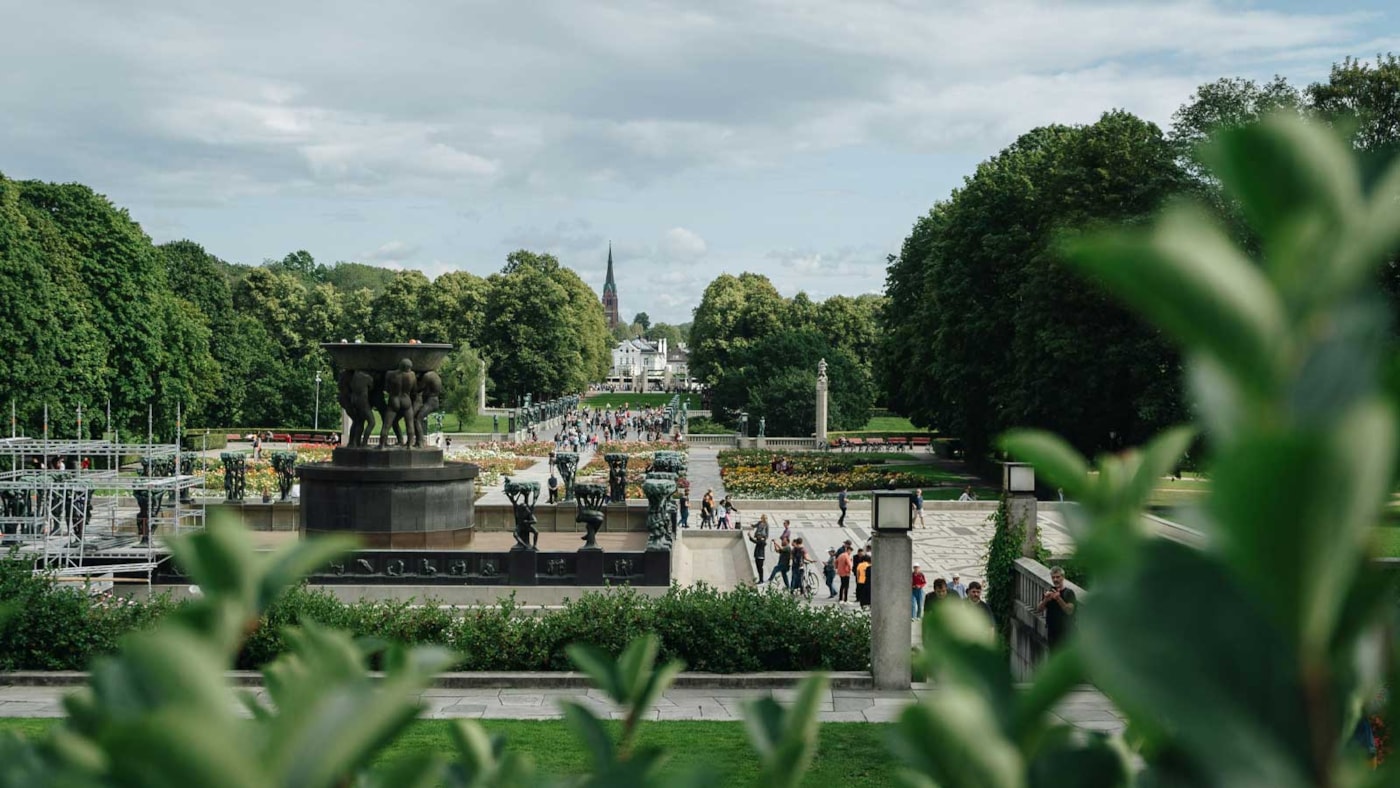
<point x="86" y="508"/>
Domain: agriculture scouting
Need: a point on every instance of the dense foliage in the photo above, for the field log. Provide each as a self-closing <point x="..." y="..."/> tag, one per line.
<point x="759" y="351"/>
<point x="986" y="329"/>
<point x="60" y="627"/>
<point x="97" y="312"/>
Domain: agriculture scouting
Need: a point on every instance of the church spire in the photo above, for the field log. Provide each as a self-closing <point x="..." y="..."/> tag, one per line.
<point x="610" y="286"/>
<point x="610" y="293"/>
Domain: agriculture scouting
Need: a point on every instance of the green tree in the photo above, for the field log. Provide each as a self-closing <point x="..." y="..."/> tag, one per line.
<point x="461" y="381"/>
<point x="126" y="284"/>
<point x="545" y="333"/>
<point x="734" y="312"/>
<point x="672" y="335"/>
<point x="777" y="379"/>
<point x="986" y="330"/>
<point x="644" y="320"/>
<point x="457" y="307"/>
<point x="400" y="312"/>
<point x="1222" y="104"/>
<point x="348" y="277"/>
<point x="55" y="352"/>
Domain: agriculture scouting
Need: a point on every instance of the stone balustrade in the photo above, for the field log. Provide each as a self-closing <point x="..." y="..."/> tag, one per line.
<point x="1029" y="641"/>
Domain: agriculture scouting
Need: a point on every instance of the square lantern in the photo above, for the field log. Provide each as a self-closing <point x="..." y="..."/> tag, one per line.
<point x="1018" y="477"/>
<point x="892" y="511"/>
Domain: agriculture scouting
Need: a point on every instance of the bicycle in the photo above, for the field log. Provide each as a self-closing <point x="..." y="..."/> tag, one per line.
<point x="811" y="580"/>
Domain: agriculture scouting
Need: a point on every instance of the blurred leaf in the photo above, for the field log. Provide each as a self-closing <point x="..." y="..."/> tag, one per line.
<point x="590" y="729"/>
<point x="962" y="649"/>
<point x="599" y="667"/>
<point x="1176" y="641"/>
<point x="953" y="738"/>
<point x="1275" y="524"/>
<point x="1053" y="458"/>
<point x="1093" y="760"/>
<point x="786" y="739"/>
<point x="1191" y="281"/>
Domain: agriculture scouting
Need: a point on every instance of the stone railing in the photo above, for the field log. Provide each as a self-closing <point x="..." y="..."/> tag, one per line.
<point x="788" y="443"/>
<point x="726" y="441"/>
<point x="1029" y="641"/>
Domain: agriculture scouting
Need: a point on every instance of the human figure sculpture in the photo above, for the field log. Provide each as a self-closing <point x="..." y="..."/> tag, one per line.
<point x="821" y="370"/>
<point x="285" y="464"/>
<point x="235" y="474"/>
<point x="567" y="463"/>
<point x="398" y="408"/>
<point x="617" y="476"/>
<point x="356" y="387"/>
<point x="762" y="426"/>
<point x="744" y="425"/>
<point x="523" y="496"/>
<point x="427" y="397"/>
<point x="590" y="498"/>
<point x="658" y="492"/>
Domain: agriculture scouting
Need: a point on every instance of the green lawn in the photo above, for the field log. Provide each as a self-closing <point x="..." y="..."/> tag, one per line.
<point x="849" y="754"/>
<point x="479" y="423"/>
<point x="634" y="400"/>
<point x="1388" y="540"/>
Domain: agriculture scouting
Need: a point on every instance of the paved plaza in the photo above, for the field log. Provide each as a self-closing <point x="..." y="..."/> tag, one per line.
<point x="1085" y="708"/>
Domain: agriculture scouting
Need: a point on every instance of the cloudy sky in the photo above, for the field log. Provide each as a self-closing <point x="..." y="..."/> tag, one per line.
<point x="797" y="138"/>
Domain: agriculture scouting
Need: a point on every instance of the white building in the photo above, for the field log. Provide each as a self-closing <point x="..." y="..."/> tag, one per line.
<point x="645" y="364"/>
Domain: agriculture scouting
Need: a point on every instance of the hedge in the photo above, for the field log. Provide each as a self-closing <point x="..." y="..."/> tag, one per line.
<point x="744" y="630"/>
<point x="199" y="441"/>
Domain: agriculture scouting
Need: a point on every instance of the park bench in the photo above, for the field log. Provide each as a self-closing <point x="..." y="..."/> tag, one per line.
<point x="917" y="442"/>
<point x="856" y="443"/>
<point x="874" y="443"/>
<point x="899" y="443"/>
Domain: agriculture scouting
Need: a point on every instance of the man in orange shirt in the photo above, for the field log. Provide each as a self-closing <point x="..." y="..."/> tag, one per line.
<point x="843" y="571"/>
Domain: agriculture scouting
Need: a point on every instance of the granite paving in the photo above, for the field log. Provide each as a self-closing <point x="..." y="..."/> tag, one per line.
<point x="1084" y="708"/>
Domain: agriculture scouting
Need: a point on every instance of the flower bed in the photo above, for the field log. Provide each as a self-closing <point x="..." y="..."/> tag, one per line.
<point x="748" y="473"/>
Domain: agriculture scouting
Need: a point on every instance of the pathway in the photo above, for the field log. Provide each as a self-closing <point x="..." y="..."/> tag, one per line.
<point x="539" y="472"/>
<point x="702" y="469"/>
<point x="1085" y="708"/>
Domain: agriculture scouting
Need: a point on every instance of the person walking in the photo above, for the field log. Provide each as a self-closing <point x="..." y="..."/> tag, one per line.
<point x="829" y="572"/>
<point x="784" y="551"/>
<point x="685" y="511"/>
<point x="919" y="582"/>
<point x="919" y="505"/>
<point x="843" y="571"/>
<point x="759" y="537"/>
<point x="863" y="580"/>
<point x="841" y="501"/>
<point x="707" y="510"/>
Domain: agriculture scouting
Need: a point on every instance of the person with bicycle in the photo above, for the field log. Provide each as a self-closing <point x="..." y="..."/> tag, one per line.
<point x="799" y="559"/>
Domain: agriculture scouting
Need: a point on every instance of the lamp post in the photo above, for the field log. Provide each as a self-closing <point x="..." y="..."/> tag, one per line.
<point x="1018" y="481"/>
<point x="892" y="517"/>
<point x="316" y="418"/>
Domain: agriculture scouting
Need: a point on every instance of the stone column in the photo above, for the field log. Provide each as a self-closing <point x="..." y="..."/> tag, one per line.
<point x="1021" y="507"/>
<point x="821" y="402"/>
<point x="890" y="634"/>
<point x="481" y="391"/>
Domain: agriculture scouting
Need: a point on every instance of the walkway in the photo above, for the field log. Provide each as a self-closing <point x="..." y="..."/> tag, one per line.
<point x="1084" y="708"/>
<point x="539" y="472"/>
<point x="702" y="469"/>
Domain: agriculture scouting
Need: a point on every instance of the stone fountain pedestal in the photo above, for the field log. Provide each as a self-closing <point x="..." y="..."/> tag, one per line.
<point x="389" y="496"/>
<point x="405" y="499"/>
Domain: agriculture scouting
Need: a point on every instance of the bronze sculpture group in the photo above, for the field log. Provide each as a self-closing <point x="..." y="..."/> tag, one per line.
<point x="403" y="398"/>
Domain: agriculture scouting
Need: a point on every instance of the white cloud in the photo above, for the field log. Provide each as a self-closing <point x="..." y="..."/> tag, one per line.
<point x="392" y="254"/>
<point x="682" y="245"/>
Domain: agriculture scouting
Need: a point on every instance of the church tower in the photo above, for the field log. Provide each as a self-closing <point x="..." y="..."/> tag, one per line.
<point x="610" y="295"/>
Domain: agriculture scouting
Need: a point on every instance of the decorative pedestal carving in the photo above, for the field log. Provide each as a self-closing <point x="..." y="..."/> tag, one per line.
<point x="590" y="567"/>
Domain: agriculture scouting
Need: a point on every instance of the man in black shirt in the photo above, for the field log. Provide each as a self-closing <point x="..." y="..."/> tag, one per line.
<point x="1058" y="606"/>
<point x="841" y="502"/>
<point x="759" y="537"/>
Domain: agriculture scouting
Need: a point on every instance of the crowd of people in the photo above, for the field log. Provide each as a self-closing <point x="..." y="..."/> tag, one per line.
<point x="589" y="427"/>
